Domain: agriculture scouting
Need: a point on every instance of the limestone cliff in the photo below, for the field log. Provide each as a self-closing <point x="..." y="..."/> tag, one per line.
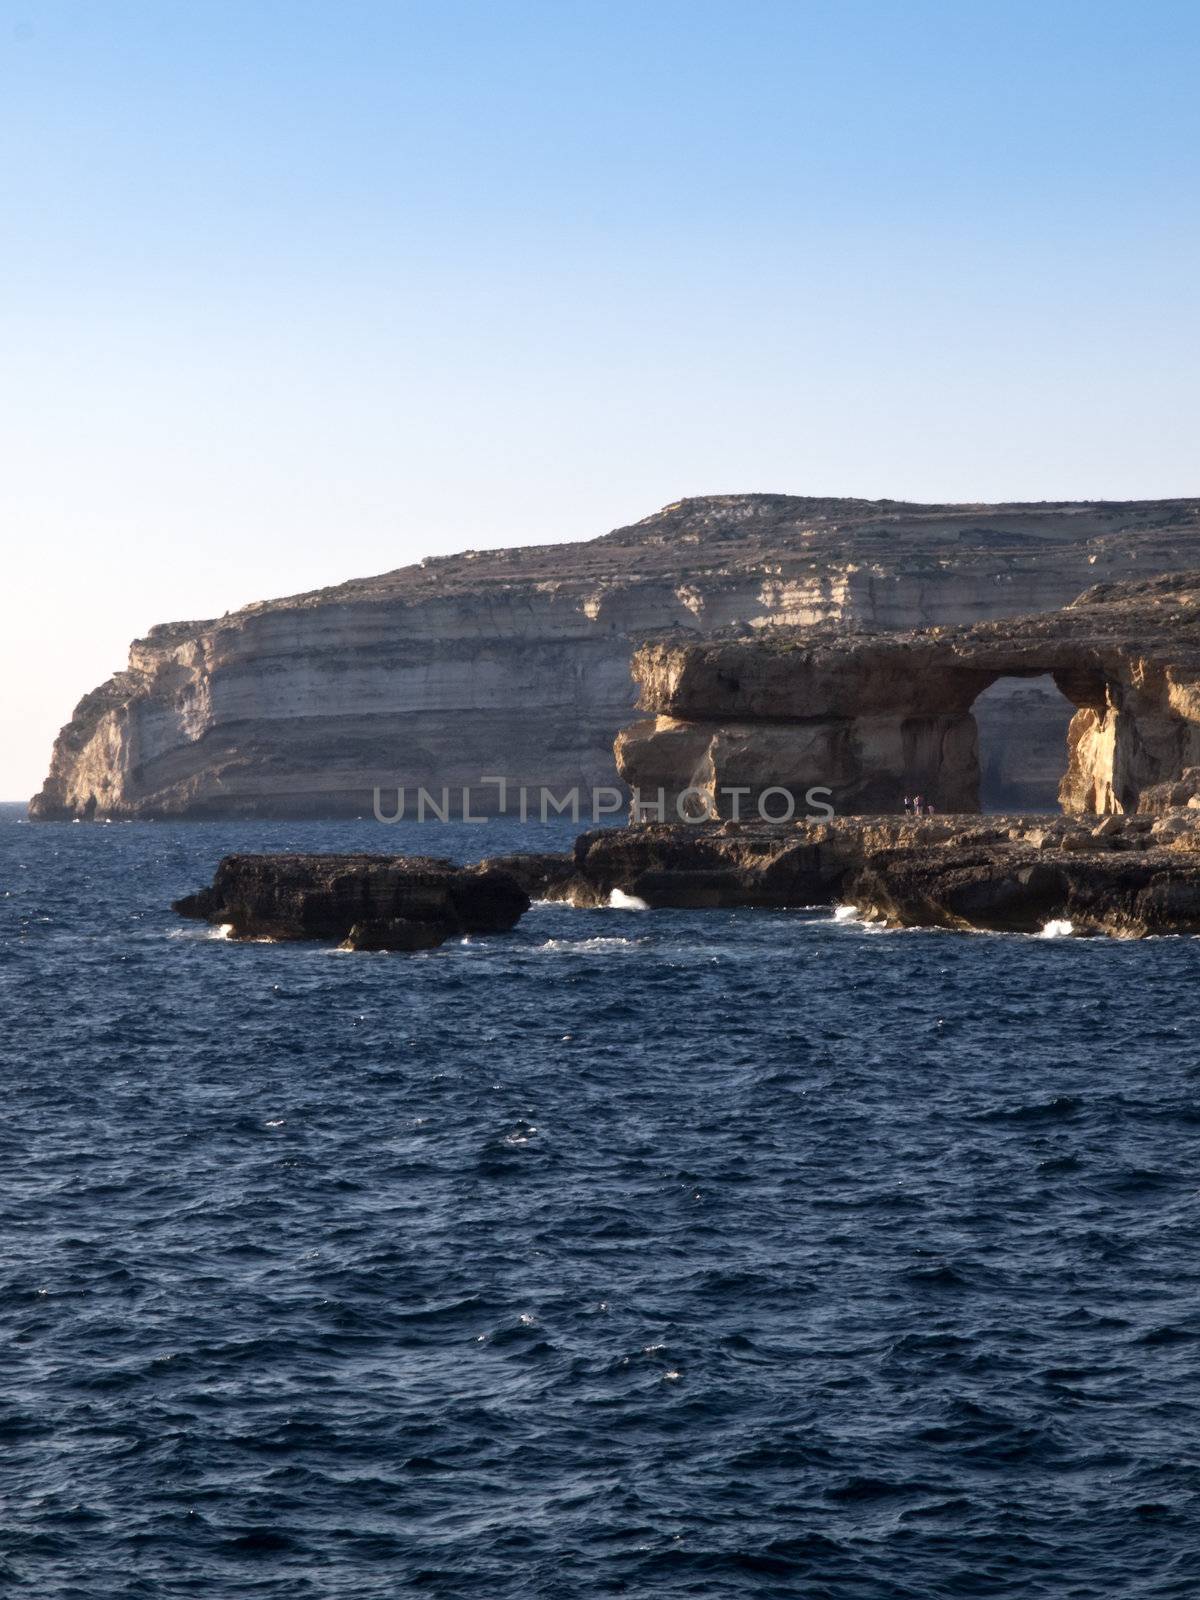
<point x="515" y="662"/>
<point x="874" y="717"/>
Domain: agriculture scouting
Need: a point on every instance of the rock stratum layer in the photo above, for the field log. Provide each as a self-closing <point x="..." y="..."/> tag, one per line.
<point x="871" y="718"/>
<point x="516" y="662"/>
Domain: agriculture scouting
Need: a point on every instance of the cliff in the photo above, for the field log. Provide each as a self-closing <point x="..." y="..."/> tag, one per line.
<point x="516" y="662"/>
<point x="873" y="717"/>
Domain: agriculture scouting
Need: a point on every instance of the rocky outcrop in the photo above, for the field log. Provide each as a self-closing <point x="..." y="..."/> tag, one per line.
<point x="1162" y="798"/>
<point x="365" y="902"/>
<point x="701" y="866"/>
<point x="868" y="719"/>
<point x="516" y="662"/>
<point x="1004" y="889"/>
<point x="548" y="875"/>
<point x="1127" y="876"/>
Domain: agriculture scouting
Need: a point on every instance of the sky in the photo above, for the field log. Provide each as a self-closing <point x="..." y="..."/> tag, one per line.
<point x="301" y="290"/>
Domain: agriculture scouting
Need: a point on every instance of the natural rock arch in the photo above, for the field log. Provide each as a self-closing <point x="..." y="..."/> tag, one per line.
<point x="877" y="717"/>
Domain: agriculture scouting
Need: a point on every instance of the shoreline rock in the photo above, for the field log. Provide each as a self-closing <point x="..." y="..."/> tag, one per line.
<point x="1129" y="876"/>
<point x="365" y="902"/>
<point x="998" y="889"/>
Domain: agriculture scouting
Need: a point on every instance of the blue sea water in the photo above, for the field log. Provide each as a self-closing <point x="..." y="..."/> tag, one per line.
<point x="634" y="1253"/>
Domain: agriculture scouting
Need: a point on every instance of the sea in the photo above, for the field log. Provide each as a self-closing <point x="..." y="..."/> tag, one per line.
<point x="636" y="1253"/>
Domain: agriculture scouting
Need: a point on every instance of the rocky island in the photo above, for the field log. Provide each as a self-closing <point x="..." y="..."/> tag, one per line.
<point x="516" y="661"/>
<point x="362" y="902"/>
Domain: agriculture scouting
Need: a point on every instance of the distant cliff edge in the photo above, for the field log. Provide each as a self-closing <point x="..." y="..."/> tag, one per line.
<point x="516" y="662"/>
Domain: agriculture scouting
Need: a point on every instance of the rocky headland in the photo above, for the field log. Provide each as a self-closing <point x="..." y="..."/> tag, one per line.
<point x="516" y="662"/>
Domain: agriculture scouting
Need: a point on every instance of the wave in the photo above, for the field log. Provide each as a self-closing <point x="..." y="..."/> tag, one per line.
<point x="599" y="942"/>
<point x="206" y="934"/>
<point x="618" y="900"/>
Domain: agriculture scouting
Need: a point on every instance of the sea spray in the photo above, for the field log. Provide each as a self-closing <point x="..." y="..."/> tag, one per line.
<point x="618" y="900"/>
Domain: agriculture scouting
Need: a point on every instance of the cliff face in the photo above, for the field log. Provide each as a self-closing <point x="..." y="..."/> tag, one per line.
<point x="876" y="717"/>
<point x="516" y="662"/>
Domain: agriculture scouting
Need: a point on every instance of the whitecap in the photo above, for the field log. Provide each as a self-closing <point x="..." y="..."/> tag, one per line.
<point x="1057" y="928"/>
<point x="570" y="946"/>
<point x="845" y="913"/>
<point x="520" y="1135"/>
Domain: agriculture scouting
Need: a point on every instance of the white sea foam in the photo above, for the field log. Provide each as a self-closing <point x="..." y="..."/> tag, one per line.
<point x="223" y="932"/>
<point x="845" y="913"/>
<point x="573" y="946"/>
<point x="1057" y="928"/>
<point x="618" y="900"/>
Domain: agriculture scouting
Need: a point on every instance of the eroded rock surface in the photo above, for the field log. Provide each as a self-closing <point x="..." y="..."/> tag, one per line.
<point x="516" y="662"/>
<point x="367" y="902"/>
<point x="1126" y="876"/>
<point x="1002" y="888"/>
<point x="877" y="717"/>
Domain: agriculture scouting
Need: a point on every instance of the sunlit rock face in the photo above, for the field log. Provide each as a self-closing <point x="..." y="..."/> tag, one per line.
<point x="879" y="718"/>
<point x="516" y="662"/>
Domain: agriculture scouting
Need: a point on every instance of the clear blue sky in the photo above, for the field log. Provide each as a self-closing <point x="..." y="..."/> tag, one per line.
<point x="296" y="290"/>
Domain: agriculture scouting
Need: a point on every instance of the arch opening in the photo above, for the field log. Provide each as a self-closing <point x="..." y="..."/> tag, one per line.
<point x="1022" y="725"/>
